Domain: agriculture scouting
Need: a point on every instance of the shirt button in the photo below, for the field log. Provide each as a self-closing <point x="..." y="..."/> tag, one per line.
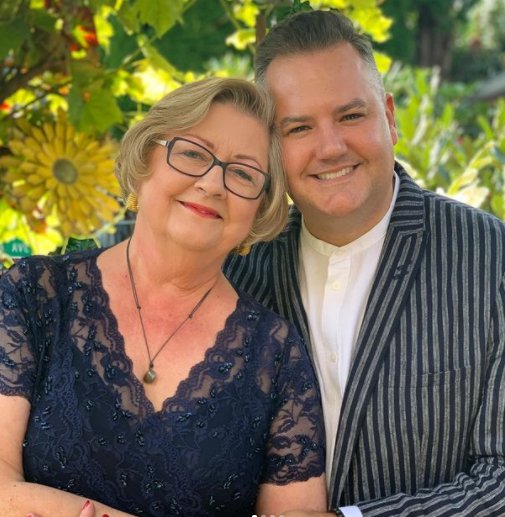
<point x="333" y="358"/>
<point x="336" y="285"/>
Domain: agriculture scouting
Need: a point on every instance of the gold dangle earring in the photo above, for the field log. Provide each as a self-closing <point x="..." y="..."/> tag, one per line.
<point x="242" y="250"/>
<point x="132" y="202"/>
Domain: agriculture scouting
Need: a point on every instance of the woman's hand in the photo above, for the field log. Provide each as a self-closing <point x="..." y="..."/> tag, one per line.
<point x="88" y="510"/>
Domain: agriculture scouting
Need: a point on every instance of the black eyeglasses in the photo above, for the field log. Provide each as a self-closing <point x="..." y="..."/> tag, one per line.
<point x="193" y="159"/>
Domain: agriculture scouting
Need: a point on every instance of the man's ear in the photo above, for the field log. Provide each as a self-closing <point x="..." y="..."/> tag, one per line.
<point x="389" y="106"/>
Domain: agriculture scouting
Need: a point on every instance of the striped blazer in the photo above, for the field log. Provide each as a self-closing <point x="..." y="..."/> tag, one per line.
<point x="422" y="425"/>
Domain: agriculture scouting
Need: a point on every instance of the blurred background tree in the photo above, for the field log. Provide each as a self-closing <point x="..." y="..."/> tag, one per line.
<point x="76" y="73"/>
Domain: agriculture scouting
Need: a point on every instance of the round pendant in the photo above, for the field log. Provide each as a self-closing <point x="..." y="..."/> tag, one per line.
<point x="150" y="376"/>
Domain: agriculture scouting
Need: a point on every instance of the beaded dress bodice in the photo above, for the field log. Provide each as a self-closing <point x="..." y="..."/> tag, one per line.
<point x="249" y="413"/>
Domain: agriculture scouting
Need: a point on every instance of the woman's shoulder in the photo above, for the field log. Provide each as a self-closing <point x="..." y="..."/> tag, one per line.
<point x="248" y="303"/>
<point x="253" y="311"/>
<point x="62" y="261"/>
<point x="48" y="271"/>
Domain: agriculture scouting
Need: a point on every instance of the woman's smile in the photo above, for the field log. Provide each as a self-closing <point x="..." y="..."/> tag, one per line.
<point x="201" y="210"/>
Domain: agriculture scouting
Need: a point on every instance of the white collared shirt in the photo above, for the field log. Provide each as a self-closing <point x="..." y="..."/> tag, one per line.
<point x="335" y="283"/>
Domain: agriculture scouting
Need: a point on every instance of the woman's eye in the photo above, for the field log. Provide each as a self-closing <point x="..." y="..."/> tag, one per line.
<point x="241" y="174"/>
<point x="193" y="155"/>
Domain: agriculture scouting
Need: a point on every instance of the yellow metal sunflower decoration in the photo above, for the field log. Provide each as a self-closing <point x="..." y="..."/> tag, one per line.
<point x="65" y="176"/>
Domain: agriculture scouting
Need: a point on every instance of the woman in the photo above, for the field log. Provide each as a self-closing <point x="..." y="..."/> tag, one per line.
<point x="136" y="377"/>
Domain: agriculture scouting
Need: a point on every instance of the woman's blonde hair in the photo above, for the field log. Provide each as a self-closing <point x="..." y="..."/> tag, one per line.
<point x="183" y="109"/>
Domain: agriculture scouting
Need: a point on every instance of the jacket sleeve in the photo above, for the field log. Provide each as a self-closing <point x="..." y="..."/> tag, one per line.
<point x="479" y="491"/>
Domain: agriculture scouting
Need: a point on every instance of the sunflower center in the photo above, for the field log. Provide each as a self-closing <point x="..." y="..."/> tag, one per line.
<point x="65" y="171"/>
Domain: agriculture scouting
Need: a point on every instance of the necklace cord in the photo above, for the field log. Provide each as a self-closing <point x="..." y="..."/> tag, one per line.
<point x="139" y="311"/>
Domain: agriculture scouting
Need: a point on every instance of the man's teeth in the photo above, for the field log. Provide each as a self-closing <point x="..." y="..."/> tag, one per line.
<point x="337" y="174"/>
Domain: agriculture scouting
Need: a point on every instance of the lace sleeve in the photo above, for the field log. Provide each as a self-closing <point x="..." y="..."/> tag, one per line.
<point x="296" y="445"/>
<point x="17" y="343"/>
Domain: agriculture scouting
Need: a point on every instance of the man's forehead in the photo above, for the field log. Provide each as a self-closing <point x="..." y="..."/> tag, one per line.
<point x="332" y="63"/>
<point x="338" y="73"/>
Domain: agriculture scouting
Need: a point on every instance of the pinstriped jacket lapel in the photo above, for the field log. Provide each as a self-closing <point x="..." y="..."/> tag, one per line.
<point x="400" y="258"/>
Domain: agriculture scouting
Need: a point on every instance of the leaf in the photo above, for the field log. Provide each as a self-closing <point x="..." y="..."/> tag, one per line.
<point x="485" y="126"/>
<point x="76" y="244"/>
<point x="375" y="24"/>
<point x="9" y="8"/>
<point x="499" y="118"/>
<point x="84" y="73"/>
<point x="383" y="62"/>
<point x="122" y="45"/>
<point x="498" y="154"/>
<point x="12" y="34"/>
<point x="160" y="14"/>
<point x="152" y="84"/>
<point x="332" y="4"/>
<point x="155" y="58"/>
<point x="473" y="195"/>
<point x="299" y="5"/>
<point x="241" y="38"/>
<point x="246" y="13"/>
<point x="42" y="19"/>
<point x="127" y="15"/>
<point x="97" y="4"/>
<point x="96" y="112"/>
<point x="470" y="175"/>
<point x="498" y="205"/>
<point x="104" y="28"/>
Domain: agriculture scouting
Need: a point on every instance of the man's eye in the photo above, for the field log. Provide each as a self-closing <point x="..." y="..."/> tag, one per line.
<point x="353" y="116"/>
<point x="297" y="129"/>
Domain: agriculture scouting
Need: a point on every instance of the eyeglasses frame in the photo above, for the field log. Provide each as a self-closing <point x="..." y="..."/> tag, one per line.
<point x="169" y="144"/>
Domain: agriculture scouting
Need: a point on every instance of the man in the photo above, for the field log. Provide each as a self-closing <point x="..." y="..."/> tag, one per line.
<point x="398" y="292"/>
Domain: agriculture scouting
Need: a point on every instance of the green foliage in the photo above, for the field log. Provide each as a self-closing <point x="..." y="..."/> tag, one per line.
<point x="76" y="244"/>
<point x="199" y="38"/>
<point x="86" y="57"/>
<point x="459" y="156"/>
<point x="104" y="62"/>
<point x="80" y="54"/>
<point x="480" y="51"/>
<point x="464" y="37"/>
<point x="106" y="66"/>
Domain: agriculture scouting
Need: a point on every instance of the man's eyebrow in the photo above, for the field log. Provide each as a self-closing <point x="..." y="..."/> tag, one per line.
<point x="293" y="120"/>
<point x="353" y="104"/>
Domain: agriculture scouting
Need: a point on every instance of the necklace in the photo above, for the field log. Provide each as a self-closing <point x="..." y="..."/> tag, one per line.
<point x="150" y="375"/>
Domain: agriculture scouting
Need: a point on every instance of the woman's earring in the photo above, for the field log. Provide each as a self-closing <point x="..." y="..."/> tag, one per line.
<point x="242" y="250"/>
<point x="132" y="202"/>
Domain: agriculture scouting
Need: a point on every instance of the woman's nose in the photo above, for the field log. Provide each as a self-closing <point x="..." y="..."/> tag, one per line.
<point x="212" y="182"/>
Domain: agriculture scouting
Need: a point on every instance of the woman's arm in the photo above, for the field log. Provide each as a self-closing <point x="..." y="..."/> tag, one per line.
<point x="293" y="477"/>
<point x="308" y="495"/>
<point x="19" y="498"/>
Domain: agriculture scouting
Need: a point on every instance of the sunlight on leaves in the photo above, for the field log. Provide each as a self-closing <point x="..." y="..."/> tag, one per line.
<point x="242" y="38"/>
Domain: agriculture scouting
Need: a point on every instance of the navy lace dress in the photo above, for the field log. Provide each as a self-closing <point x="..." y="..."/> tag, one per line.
<point x="249" y="413"/>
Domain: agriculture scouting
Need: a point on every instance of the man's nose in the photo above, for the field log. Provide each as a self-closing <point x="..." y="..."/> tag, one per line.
<point x="212" y="182"/>
<point x="331" y="142"/>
